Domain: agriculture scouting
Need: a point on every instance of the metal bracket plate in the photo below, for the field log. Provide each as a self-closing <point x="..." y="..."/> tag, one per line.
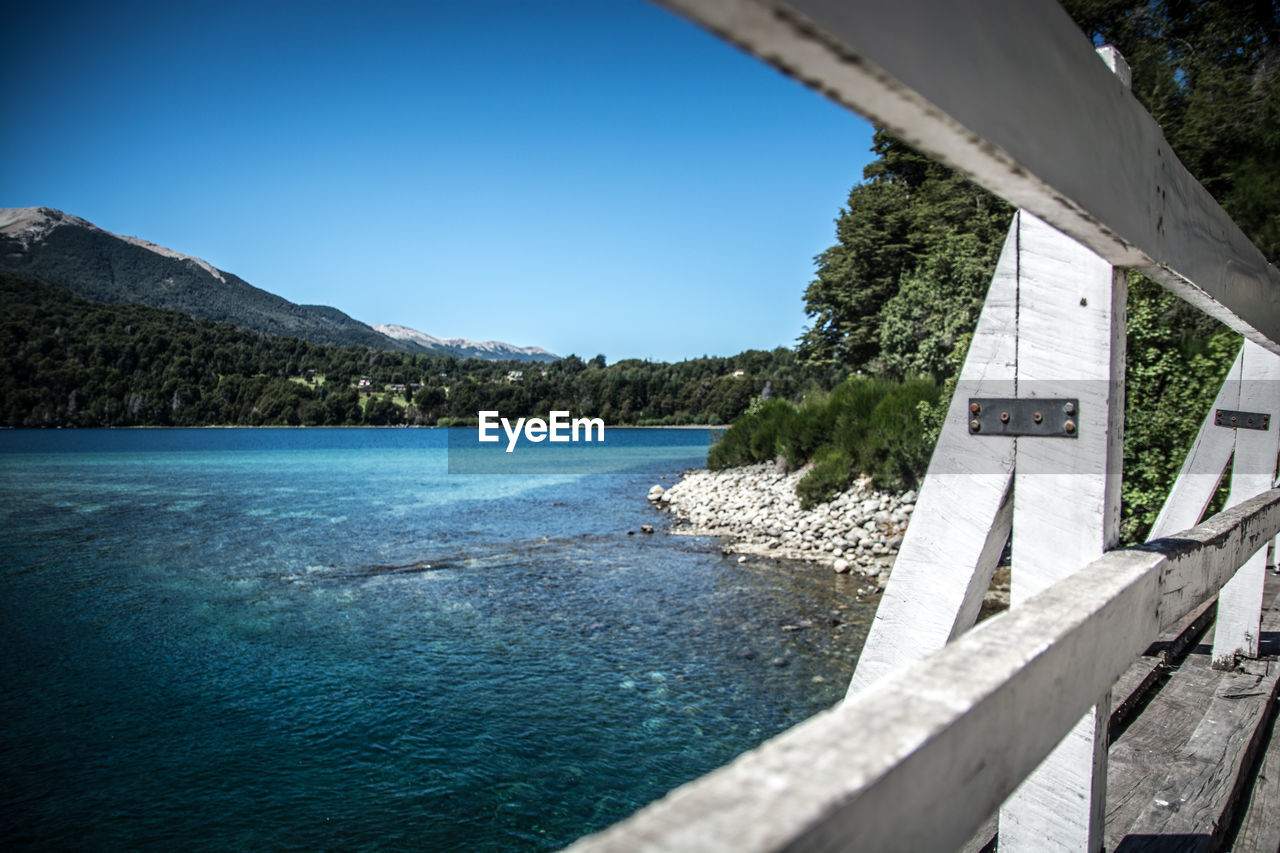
<point x="1011" y="416"/>
<point x="1241" y="420"/>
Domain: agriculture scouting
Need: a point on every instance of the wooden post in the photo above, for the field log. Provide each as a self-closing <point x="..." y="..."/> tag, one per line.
<point x="962" y="516"/>
<point x="1071" y="343"/>
<point x="1054" y="321"/>
<point x="1253" y="472"/>
<point x="1252" y="385"/>
<point x="1204" y="466"/>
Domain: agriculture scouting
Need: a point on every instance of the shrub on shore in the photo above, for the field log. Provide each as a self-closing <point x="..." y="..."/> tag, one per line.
<point x="864" y="426"/>
<point x="753" y="437"/>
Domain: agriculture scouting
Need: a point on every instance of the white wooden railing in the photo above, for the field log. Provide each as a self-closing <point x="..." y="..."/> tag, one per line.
<point x="945" y="722"/>
<point x="918" y="761"/>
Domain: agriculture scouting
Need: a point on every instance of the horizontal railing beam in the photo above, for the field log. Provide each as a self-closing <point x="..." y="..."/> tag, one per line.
<point x="1012" y="94"/>
<point x="920" y="759"/>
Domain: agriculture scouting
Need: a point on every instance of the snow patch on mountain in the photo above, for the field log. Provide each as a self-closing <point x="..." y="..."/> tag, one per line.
<point x="482" y="349"/>
<point x="32" y="224"/>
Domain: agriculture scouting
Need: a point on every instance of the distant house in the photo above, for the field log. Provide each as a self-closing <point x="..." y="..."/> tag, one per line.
<point x="515" y="375"/>
<point x="396" y="386"/>
<point x="739" y="373"/>
<point x="365" y="384"/>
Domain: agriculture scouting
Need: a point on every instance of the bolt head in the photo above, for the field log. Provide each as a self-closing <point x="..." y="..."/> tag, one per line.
<point x="975" y="408"/>
<point x="1004" y="417"/>
<point x="975" y="425"/>
<point x="1069" y="408"/>
<point x="1070" y="427"/>
<point x="1037" y="417"/>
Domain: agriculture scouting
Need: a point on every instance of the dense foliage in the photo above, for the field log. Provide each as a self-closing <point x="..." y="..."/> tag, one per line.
<point x="1209" y="72"/>
<point x="72" y="362"/>
<point x="905" y="281"/>
<point x="864" y="424"/>
<point x="898" y="294"/>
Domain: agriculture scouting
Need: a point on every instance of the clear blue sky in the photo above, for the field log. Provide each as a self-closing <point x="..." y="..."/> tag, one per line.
<point x="591" y="177"/>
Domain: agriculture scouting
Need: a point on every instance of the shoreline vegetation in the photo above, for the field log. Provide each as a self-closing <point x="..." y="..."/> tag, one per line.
<point x="866" y="426"/>
<point x="71" y="362"/>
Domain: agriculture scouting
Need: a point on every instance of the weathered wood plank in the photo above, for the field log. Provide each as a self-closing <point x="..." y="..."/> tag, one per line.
<point x="962" y="516"/>
<point x="1131" y="694"/>
<point x="943" y="724"/>
<point x="1139" y="760"/>
<point x="984" y="839"/>
<point x="1164" y="794"/>
<point x="1260" y="828"/>
<point x="1012" y="94"/>
<point x="1253" y="472"/>
<point x="1133" y="689"/>
<point x="1194" y="802"/>
<point x="1260" y="832"/>
<point x="1071" y="344"/>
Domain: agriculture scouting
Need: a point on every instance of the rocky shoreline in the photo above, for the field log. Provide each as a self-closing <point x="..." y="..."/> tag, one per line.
<point x="754" y="510"/>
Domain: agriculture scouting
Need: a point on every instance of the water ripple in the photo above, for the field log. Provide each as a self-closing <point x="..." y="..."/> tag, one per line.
<point x="368" y="653"/>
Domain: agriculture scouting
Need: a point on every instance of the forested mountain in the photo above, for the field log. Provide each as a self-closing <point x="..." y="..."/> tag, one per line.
<point x="71" y="362"/>
<point x="69" y="252"/>
<point x="894" y="298"/>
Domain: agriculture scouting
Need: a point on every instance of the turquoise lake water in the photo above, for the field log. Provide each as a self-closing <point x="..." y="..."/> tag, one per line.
<point x="321" y="639"/>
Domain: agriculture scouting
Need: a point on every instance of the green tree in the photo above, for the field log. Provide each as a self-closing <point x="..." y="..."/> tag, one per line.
<point x="1209" y="72"/>
<point x="908" y="210"/>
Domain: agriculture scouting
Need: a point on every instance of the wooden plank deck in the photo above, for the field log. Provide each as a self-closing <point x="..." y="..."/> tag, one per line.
<point x="1173" y="722"/>
<point x="1260" y="829"/>
<point x="1180" y="774"/>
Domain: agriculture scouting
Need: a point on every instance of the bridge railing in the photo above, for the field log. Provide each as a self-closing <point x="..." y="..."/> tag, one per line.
<point x="943" y="721"/>
<point x="919" y="760"/>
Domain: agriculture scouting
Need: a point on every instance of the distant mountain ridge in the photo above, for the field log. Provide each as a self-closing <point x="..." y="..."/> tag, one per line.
<point x="495" y="350"/>
<point x="75" y="254"/>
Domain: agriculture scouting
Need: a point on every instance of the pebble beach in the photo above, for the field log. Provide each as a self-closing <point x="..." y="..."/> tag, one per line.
<point x="754" y="510"/>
